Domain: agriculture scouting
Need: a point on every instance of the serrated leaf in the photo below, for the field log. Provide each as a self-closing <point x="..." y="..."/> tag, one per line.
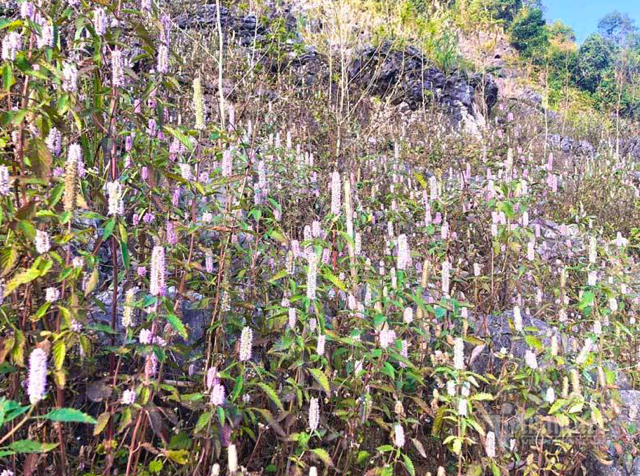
<point x="271" y="393"/>
<point x="597" y="416"/>
<point x="409" y="465"/>
<point x="437" y="422"/>
<point x="41" y="159"/>
<point x="180" y="136"/>
<point x="178" y="325"/>
<point x="108" y="228"/>
<point x="321" y="378"/>
<point x="276" y="235"/>
<point x="178" y="456"/>
<point x="18" y="348"/>
<point x="8" y="79"/>
<point x="533" y="341"/>
<point x="275" y="426"/>
<point x="69" y="415"/>
<point x="323" y="455"/>
<point x="8" y="259"/>
<point x="30" y="446"/>
<point x="23" y="277"/>
<point x="363" y="456"/>
<point x="203" y="421"/>
<point x="125" y="419"/>
<point x="557" y="405"/>
<point x="576" y="407"/>
<point x="457" y="446"/>
<point x="92" y="282"/>
<point x="101" y="423"/>
<point x="59" y="353"/>
<point x="278" y="276"/>
<point x="337" y="282"/>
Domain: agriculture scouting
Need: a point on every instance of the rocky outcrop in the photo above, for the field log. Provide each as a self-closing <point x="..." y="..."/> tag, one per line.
<point x="403" y="75"/>
<point x="630" y="148"/>
<point x="408" y="76"/>
<point x="244" y="29"/>
<point x="570" y="145"/>
<point x="497" y="331"/>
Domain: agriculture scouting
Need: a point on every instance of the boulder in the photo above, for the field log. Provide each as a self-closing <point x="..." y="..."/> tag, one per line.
<point x="630" y="148"/>
<point x="570" y="145"/>
<point x="244" y="29"/>
<point x="407" y="76"/>
<point x="500" y="335"/>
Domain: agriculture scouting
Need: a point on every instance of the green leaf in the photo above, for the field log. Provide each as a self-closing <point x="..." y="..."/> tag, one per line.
<point x="437" y="423"/>
<point x="13" y="410"/>
<point x="533" y="341"/>
<point x="155" y="466"/>
<point x="180" y="136"/>
<point x="271" y="393"/>
<point x="323" y="455"/>
<point x="586" y="301"/>
<point x="409" y="465"/>
<point x="7" y="76"/>
<point x="69" y="415"/>
<point x="108" y="228"/>
<point x="576" y="407"/>
<point x="40" y="157"/>
<point x="126" y="257"/>
<point x="275" y="426"/>
<point x="321" y="378"/>
<point x="276" y="235"/>
<point x="597" y="416"/>
<point x="29" y="446"/>
<point x="558" y="404"/>
<point x="203" y="421"/>
<point x="363" y="456"/>
<point x="21" y="278"/>
<point x="237" y="388"/>
<point x="8" y="259"/>
<point x="59" y="352"/>
<point x="101" y="424"/>
<point x="178" y="325"/>
<point x="337" y="282"/>
<point x="388" y="369"/>
<point x="278" y="276"/>
<point x="482" y="396"/>
<point x="178" y="456"/>
<point x="384" y="448"/>
<point x="92" y="283"/>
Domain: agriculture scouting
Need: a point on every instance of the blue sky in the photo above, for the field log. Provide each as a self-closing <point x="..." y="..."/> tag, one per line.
<point x="583" y="15"/>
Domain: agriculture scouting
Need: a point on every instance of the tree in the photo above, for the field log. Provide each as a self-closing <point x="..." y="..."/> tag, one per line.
<point x="529" y="33"/>
<point x="596" y="58"/>
<point x="618" y="28"/>
<point x="562" y="33"/>
<point x="505" y="10"/>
